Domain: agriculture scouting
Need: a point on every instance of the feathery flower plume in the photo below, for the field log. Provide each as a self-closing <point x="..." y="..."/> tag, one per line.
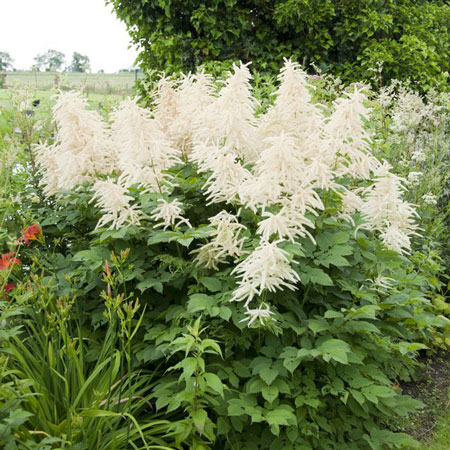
<point x="81" y="149"/>
<point x="111" y="197"/>
<point x="346" y="130"/>
<point x="293" y="110"/>
<point x="166" y="100"/>
<point x="386" y="212"/>
<point x="169" y="213"/>
<point x="267" y="267"/>
<point x="194" y="94"/>
<point x="142" y="149"/>
<point x="286" y="224"/>
<point x="230" y="118"/>
<point x="226" y="241"/>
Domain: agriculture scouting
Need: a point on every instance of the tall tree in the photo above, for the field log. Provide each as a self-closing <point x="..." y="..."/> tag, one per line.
<point x="6" y="61"/>
<point x="50" y="60"/>
<point x="349" y="37"/>
<point x="80" y="63"/>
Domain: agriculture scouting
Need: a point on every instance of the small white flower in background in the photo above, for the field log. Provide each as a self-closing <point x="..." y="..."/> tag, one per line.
<point x="169" y="213"/>
<point x="429" y="199"/>
<point x="418" y="156"/>
<point x="414" y="178"/>
<point x="404" y="162"/>
<point x="263" y="314"/>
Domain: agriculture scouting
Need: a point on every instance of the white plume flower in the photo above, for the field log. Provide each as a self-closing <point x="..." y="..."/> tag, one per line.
<point x="387" y="212"/>
<point x="230" y="118"/>
<point x="346" y="130"/>
<point x="169" y="213"/>
<point x="286" y="224"/>
<point x="112" y="198"/>
<point x="143" y="151"/>
<point x="81" y="150"/>
<point x="293" y="110"/>
<point x="225" y="241"/>
<point x="267" y="267"/>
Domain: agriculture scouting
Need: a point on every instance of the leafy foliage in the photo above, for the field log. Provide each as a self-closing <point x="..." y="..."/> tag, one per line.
<point x="347" y="38"/>
<point x="184" y="362"/>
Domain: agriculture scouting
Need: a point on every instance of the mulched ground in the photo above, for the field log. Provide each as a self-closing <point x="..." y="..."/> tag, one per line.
<point x="432" y="389"/>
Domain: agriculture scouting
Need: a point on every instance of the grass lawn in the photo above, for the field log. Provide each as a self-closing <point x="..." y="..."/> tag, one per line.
<point x="95" y="100"/>
<point x="431" y="425"/>
<point x="441" y="437"/>
<point x="100" y="83"/>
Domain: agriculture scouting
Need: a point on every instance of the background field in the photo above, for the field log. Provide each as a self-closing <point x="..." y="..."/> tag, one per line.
<point x="97" y="83"/>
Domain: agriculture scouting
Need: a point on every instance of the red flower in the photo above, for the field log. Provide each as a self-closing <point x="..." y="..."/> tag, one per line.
<point x="9" y="287"/>
<point x="32" y="233"/>
<point x="6" y="289"/>
<point x="7" y="260"/>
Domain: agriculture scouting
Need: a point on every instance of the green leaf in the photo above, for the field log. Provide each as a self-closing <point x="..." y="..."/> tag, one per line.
<point x="335" y="349"/>
<point x="212" y="284"/>
<point x="199" y="418"/>
<point x="318" y="325"/>
<point x="150" y="283"/>
<point x="268" y="375"/>
<point x="283" y="415"/>
<point x="270" y="393"/>
<point x="214" y="382"/>
<point x="315" y="276"/>
<point x="161" y="236"/>
<point x="200" y="302"/>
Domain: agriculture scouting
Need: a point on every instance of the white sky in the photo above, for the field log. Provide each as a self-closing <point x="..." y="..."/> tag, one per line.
<point x="29" y="27"/>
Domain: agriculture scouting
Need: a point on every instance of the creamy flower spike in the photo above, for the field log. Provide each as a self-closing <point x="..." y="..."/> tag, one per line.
<point x="225" y="241"/>
<point x="169" y="214"/>
<point x="143" y="150"/>
<point x="293" y="111"/>
<point x="386" y="212"/>
<point x="194" y="95"/>
<point x="346" y="131"/>
<point x="81" y="149"/>
<point x="115" y="204"/>
<point x="230" y="118"/>
<point x="267" y="267"/>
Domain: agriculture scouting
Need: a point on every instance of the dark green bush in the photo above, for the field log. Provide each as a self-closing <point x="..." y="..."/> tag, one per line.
<point x="346" y="37"/>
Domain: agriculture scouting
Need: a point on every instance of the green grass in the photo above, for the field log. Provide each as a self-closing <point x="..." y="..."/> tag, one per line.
<point x="101" y="83"/>
<point x="95" y="100"/>
<point x="441" y="435"/>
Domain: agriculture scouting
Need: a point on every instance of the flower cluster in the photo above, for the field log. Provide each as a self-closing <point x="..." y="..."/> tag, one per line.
<point x="276" y="166"/>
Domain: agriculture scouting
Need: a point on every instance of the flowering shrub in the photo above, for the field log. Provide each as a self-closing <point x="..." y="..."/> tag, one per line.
<point x="270" y="249"/>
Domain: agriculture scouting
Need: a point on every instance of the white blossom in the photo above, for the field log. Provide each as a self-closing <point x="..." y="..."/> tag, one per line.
<point x="429" y="199"/>
<point x="115" y="203"/>
<point x="225" y="241"/>
<point x="263" y="314"/>
<point x="169" y="213"/>
<point x="267" y="267"/>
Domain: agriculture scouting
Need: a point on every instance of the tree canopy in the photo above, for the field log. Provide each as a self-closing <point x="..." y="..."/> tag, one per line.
<point x="50" y="60"/>
<point x="6" y="61"/>
<point x="80" y="63"/>
<point x="349" y="37"/>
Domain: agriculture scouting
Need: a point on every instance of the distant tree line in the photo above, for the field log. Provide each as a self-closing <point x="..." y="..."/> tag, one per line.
<point x="51" y="60"/>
